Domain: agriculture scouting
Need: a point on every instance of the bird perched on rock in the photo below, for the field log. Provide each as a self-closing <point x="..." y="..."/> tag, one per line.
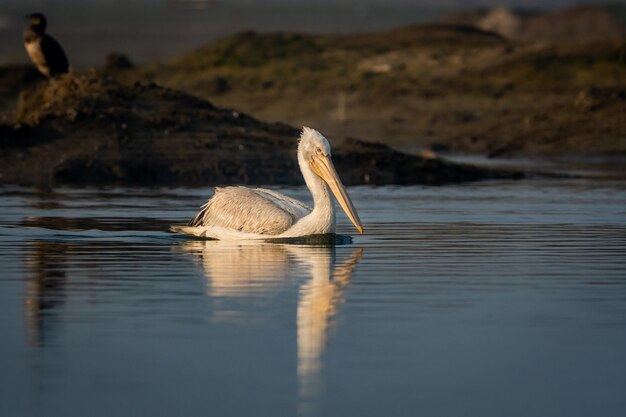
<point x="45" y="52"/>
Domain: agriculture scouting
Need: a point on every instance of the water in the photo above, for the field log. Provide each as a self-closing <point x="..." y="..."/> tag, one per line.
<point x="490" y="299"/>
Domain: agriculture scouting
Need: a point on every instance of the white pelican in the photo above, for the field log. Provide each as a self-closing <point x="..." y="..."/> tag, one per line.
<point x="240" y="213"/>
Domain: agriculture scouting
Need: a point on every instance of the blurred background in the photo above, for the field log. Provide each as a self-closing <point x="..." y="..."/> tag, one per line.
<point x="149" y="30"/>
<point x="493" y="79"/>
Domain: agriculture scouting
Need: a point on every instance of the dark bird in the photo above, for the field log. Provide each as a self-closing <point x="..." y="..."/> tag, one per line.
<point x="45" y="52"/>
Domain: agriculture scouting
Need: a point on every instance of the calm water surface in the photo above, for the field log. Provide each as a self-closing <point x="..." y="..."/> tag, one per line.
<point x="490" y="299"/>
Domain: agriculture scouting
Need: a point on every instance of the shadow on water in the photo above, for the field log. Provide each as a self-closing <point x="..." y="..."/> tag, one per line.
<point x="236" y="269"/>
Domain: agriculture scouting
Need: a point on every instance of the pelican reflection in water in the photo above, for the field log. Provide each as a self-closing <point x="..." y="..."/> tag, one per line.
<point x="241" y="269"/>
<point x="240" y="213"/>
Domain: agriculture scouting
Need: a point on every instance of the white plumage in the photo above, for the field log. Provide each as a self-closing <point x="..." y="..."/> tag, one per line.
<point x="241" y="213"/>
<point x="250" y="210"/>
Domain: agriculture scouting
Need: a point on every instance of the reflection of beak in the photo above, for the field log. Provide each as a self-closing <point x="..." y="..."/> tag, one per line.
<point x="323" y="166"/>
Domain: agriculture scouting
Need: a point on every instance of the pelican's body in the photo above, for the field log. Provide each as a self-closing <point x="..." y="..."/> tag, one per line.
<point x="240" y="213"/>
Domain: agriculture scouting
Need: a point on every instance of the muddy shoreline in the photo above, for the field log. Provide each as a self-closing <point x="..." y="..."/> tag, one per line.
<point x="91" y="129"/>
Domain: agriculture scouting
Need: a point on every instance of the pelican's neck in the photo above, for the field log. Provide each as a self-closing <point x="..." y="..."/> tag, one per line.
<point x="322" y="219"/>
<point x="317" y="186"/>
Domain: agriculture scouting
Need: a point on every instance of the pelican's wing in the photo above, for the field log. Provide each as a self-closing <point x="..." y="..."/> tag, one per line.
<point x="249" y="211"/>
<point x="295" y="207"/>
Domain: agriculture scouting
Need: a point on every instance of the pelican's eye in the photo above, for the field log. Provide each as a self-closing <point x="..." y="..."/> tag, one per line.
<point x="319" y="151"/>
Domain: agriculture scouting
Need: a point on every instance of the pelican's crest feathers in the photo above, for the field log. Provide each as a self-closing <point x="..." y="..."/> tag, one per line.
<point x="307" y="132"/>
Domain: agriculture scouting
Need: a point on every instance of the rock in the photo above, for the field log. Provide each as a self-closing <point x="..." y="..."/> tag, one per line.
<point x="575" y="24"/>
<point x="501" y="20"/>
<point x="118" y="61"/>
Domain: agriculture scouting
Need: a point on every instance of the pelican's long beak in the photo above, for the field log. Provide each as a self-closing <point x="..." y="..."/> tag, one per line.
<point x="323" y="166"/>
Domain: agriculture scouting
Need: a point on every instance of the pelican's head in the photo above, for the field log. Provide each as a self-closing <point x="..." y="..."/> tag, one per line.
<point x="314" y="150"/>
<point x="37" y="21"/>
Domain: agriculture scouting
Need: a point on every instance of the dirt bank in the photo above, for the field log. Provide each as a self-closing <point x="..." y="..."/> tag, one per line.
<point x="93" y="129"/>
<point x="443" y="86"/>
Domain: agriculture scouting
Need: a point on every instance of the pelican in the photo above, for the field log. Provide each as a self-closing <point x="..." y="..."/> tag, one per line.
<point x="240" y="213"/>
